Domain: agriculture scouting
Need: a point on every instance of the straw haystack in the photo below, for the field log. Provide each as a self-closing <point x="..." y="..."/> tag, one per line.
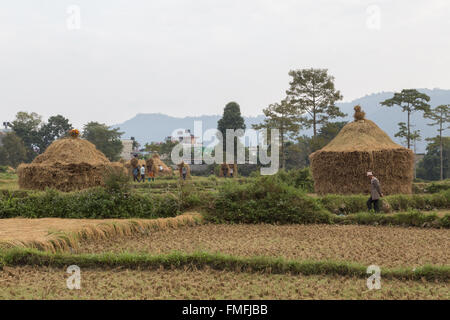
<point x="224" y="170"/>
<point x="361" y="146"/>
<point x="68" y="164"/>
<point x="133" y="163"/>
<point x="158" y="167"/>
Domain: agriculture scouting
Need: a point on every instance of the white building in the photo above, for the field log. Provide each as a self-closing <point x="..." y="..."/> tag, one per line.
<point x="127" y="151"/>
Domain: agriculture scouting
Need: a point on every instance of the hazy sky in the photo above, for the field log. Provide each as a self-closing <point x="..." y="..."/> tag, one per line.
<point x="190" y="57"/>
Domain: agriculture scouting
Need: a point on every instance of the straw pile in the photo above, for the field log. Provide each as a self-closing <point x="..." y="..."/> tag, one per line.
<point x="56" y="234"/>
<point x="224" y="170"/>
<point x="68" y="164"/>
<point x="361" y="146"/>
<point x="134" y="163"/>
<point x="155" y="164"/>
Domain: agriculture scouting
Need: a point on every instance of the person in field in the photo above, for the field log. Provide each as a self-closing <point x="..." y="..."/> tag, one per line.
<point x="184" y="172"/>
<point x="143" y="173"/>
<point x="375" y="193"/>
<point x="151" y="176"/>
<point x="136" y="174"/>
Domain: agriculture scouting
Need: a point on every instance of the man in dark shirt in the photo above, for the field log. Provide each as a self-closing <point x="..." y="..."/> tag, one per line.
<point x="375" y="193"/>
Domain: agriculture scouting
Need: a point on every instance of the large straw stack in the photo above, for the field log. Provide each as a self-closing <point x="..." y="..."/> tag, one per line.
<point x="68" y="164"/>
<point x="154" y="164"/>
<point x="361" y="146"/>
<point x="134" y="163"/>
<point x="224" y="170"/>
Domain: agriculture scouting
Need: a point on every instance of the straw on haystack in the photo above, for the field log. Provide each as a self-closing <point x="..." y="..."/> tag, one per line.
<point x="180" y="167"/>
<point x="134" y="163"/>
<point x="158" y="167"/>
<point x="361" y="146"/>
<point x="68" y="164"/>
<point x="225" y="171"/>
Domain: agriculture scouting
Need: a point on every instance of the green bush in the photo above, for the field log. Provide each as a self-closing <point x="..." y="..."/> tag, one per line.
<point x="117" y="180"/>
<point x="298" y="178"/>
<point x="340" y="204"/>
<point x="412" y="218"/>
<point x="403" y="202"/>
<point x="265" y="200"/>
<point x="431" y="187"/>
<point x="347" y="204"/>
<point x="92" y="203"/>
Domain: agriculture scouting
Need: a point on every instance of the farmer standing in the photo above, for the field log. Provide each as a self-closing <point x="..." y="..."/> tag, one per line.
<point x="375" y="193"/>
<point x="136" y="174"/>
<point x="184" y="172"/>
<point x="143" y="173"/>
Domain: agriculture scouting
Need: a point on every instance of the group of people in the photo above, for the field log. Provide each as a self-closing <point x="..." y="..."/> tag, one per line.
<point x="139" y="174"/>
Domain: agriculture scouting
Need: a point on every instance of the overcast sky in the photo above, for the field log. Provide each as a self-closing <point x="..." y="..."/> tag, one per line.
<point x="190" y="57"/>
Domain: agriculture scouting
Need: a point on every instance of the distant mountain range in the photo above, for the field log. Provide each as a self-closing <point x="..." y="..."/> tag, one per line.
<point x="150" y="127"/>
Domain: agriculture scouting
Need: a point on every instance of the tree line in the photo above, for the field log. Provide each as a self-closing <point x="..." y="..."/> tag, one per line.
<point x="29" y="136"/>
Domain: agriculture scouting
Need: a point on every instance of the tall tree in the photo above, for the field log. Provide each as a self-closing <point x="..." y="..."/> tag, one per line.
<point x="326" y="133"/>
<point x="428" y="167"/>
<point x="105" y="139"/>
<point x="410" y="100"/>
<point x="231" y="119"/>
<point x="284" y="117"/>
<point x="55" y="128"/>
<point x="404" y="135"/>
<point x="297" y="154"/>
<point x="312" y="91"/>
<point x="440" y="115"/>
<point x="26" y="127"/>
<point x="12" y="150"/>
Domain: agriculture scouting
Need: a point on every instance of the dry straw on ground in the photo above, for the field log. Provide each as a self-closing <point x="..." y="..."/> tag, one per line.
<point x="361" y="146"/>
<point x="54" y="234"/>
<point x="68" y="164"/>
<point x="156" y="164"/>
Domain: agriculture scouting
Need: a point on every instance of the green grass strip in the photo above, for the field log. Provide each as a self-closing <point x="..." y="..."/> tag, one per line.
<point x="23" y="256"/>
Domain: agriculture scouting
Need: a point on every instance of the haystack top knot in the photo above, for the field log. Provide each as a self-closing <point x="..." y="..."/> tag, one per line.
<point x="74" y="133"/>
<point x="359" y="114"/>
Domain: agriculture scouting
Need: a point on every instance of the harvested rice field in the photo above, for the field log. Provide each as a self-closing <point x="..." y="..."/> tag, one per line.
<point x="383" y="246"/>
<point x="50" y="283"/>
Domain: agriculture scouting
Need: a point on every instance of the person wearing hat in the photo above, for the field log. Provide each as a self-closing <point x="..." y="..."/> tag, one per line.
<point x="375" y="193"/>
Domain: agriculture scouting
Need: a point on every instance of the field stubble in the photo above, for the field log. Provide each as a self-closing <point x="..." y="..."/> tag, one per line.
<point x="383" y="246"/>
<point x="50" y="283"/>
